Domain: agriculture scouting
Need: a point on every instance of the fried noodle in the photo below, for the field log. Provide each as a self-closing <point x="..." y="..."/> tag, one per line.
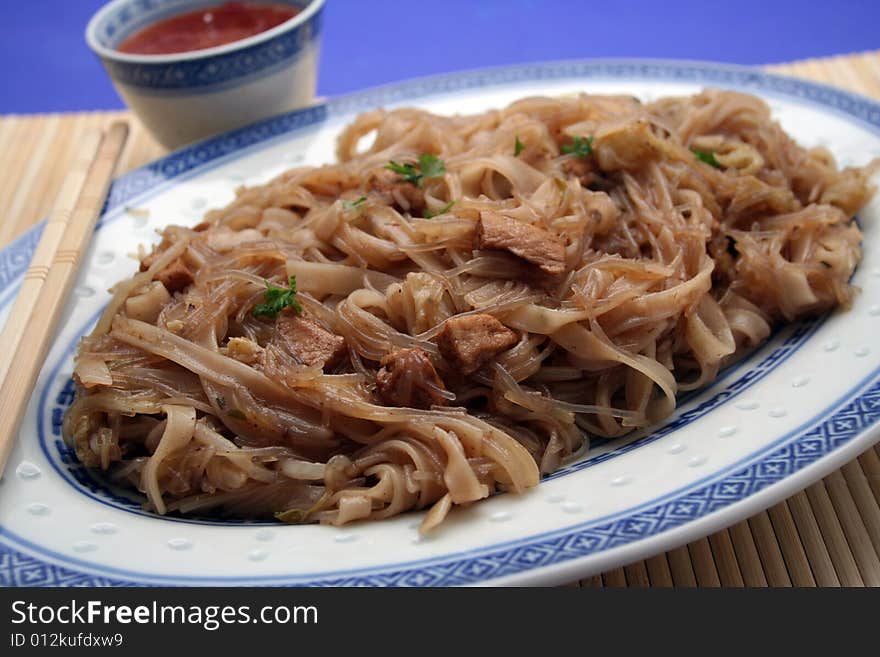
<point x="571" y="266"/>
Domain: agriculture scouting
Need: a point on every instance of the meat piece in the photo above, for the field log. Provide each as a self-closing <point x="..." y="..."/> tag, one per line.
<point x="404" y="195"/>
<point x="408" y="378"/>
<point x="176" y="276"/>
<point x="307" y="341"/>
<point x="580" y="168"/>
<point x="535" y="245"/>
<point x="469" y="341"/>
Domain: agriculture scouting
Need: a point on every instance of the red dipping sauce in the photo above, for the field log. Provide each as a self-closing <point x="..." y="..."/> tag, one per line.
<point x="207" y="27"/>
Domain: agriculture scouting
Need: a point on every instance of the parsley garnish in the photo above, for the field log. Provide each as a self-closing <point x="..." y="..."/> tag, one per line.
<point x="708" y="157"/>
<point x="518" y="147"/>
<point x="446" y="208"/>
<point x="349" y="205"/>
<point x="277" y="299"/>
<point x="430" y="166"/>
<point x="582" y="147"/>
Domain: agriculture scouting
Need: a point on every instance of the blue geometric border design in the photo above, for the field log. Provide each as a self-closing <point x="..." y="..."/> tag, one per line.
<point x="845" y="422"/>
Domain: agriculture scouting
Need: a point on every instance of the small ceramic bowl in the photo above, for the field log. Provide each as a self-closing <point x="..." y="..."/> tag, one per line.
<point x="186" y="96"/>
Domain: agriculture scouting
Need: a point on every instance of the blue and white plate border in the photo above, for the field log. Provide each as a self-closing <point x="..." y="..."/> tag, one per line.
<point x="816" y="448"/>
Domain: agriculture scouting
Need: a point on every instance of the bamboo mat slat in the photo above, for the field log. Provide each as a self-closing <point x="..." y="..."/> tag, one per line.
<point x="817" y="553"/>
<point x="827" y="535"/>
<point x="637" y="575"/>
<point x="729" y="573"/>
<point x="659" y="572"/>
<point x="681" y="567"/>
<point x="747" y="556"/>
<point x="704" y="563"/>
<point x="794" y="554"/>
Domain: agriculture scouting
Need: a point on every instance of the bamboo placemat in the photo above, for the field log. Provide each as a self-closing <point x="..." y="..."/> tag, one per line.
<point x="826" y="535"/>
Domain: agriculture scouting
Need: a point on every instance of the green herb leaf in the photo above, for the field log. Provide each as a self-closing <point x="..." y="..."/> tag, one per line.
<point x="582" y="147"/>
<point x="518" y="147"/>
<point x="350" y="205"/>
<point x="407" y="171"/>
<point x="276" y="299"/>
<point x="708" y="157"/>
<point x="430" y="166"/>
<point x="446" y="208"/>
<point x="237" y="414"/>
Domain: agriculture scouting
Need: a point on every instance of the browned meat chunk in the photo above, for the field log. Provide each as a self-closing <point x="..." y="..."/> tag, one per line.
<point x="395" y="191"/>
<point x="580" y="168"/>
<point x="175" y="277"/>
<point x="470" y="341"/>
<point x="535" y="245"/>
<point x="408" y="378"/>
<point x="307" y="341"/>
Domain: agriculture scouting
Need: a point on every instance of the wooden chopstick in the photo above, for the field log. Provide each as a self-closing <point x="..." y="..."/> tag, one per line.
<point x="50" y="277"/>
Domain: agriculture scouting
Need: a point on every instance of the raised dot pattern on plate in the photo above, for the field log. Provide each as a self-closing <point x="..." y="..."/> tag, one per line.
<point x="747" y="405"/>
<point x="861" y="351"/>
<point x="27" y="470"/>
<point x="258" y="554"/>
<point x="105" y="258"/>
<point x="180" y="543"/>
<point x="726" y="432"/>
<point x="84" y="546"/>
<point x="777" y="411"/>
<point x="800" y="381"/>
<point x="105" y="528"/>
<point x="38" y="509"/>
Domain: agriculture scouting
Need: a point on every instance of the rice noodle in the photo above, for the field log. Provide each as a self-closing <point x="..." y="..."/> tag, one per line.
<point x="664" y="269"/>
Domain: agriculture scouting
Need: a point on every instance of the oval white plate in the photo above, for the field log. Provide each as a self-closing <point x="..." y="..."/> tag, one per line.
<point x="802" y="405"/>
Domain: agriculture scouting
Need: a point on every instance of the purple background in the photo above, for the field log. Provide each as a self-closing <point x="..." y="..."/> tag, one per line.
<point x="49" y="67"/>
